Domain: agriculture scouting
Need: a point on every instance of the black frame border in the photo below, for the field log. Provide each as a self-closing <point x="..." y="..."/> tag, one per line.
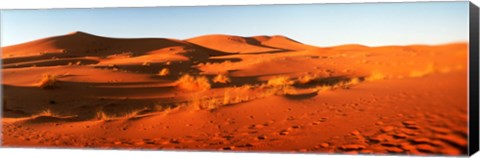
<point x="474" y="134"/>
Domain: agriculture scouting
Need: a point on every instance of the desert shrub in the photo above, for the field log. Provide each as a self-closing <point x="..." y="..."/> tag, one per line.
<point x="221" y="78"/>
<point x="206" y="103"/>
<point x="165" y="107"/>
<point x="100" y="115"/>
<point x="234" y="95"/>
<point x="164" y="72"/>
<point x="188" y="82"/>
<point x="306" y="79"/>
<point x="227" y="96"/>
<point x="231" y="95"/>
<point x="279" y="81"/>
<point x="145" y="63"/>
<point x="346" y="84"/>
<point x="227" y="62"/>
<point x="353" y="81"/>
<point x="349" y="83"/>
<point x="375" y="76"/>
<point x="48" y="81"/>
<point x="48" y="112"/>
<point x="428" y="70"/>
<point x="279" y="85"/>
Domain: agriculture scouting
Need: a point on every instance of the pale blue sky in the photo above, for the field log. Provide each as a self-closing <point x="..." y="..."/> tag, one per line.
<point x="370" y="24"/>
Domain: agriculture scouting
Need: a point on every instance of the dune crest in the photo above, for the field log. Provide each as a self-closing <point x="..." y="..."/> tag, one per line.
<point x="232" y="44"/>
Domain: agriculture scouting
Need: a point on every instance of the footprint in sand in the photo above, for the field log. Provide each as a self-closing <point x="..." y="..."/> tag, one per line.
<point x="283" y="132"/>
<point x="426" y="148"/>
<point x="394" y="150"/>
<point x="455" y="140"/>
<point x="387" y="129"/>
<point x="421" y="141"/>
<point x="228" y="148"/>
<point x="174" y="141"/>
<point x="268" y="123"/>
<point x="148" y="142"/>
<point x="355" y="133"/>
<point x="366" y="151"/>
<point x="407" y="123"/>
<point x="228" y="137"/>
<point x="400" y="135"/>
<point x="256" y="126"/>
<point x="291" y="118"/>
<point x="248" y="145"/>
<point x="119" y="142"/>
<point x="410" y="132"/>
<point x="389" y="144"/>
<point x="262" y="137"/>
<point x="407" y="146"/>
<point x="296" y="127"/>
<point x="324" y="145"/>
<point x="24" y="138"/>
<point x="375" y="139"/>
<point x="139" y="143"/>
<point x="415" y="127"/>
<point x="440" y="130"/>
<point x="350" y="147"/>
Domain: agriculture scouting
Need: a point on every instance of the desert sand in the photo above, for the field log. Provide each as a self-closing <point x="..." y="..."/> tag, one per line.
<point x="231" y="93"/>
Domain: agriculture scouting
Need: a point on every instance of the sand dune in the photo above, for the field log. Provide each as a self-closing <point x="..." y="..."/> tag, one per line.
<point x="256" y="44"/>
<point x="222" y="92"/>
<point x="281" y="42"/>
<point x="84" y="44"/>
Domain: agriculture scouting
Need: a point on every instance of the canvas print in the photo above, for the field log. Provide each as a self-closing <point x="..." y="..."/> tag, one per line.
<point x="368" y="78"/>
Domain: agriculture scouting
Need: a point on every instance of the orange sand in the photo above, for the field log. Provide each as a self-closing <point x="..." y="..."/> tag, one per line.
<point x="262" y="93"/>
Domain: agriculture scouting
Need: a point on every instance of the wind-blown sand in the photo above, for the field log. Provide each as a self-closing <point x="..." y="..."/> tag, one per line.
<point x="262" y="94"/>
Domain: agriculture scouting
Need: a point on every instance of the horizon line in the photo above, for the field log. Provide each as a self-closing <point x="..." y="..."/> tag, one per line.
<point x="242" y="36"/>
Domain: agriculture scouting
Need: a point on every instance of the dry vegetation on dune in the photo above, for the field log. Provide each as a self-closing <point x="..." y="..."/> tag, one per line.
<point x="48" y="112"/>
<point x="188" y="82"/>
<point x="230" y="96"/>
<point x="146" y="63"/>
<point x="221" y="78"/>
<point x="164" y="72"/>
<point x="375" y="75"/>
<point x="351" y="82"/>
<point x="100" y="115"/>
<point x="279" y="81"/>
<point x="307" y="78"/>
<point x="48" y="81"/>
<point x="430" y="68"/>
<point x="103" y="116"/>
<point x="279" y="85"/>
<point x="203" y="103"/>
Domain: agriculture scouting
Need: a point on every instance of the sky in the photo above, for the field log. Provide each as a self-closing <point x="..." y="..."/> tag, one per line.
<point x="372" y="24"/>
